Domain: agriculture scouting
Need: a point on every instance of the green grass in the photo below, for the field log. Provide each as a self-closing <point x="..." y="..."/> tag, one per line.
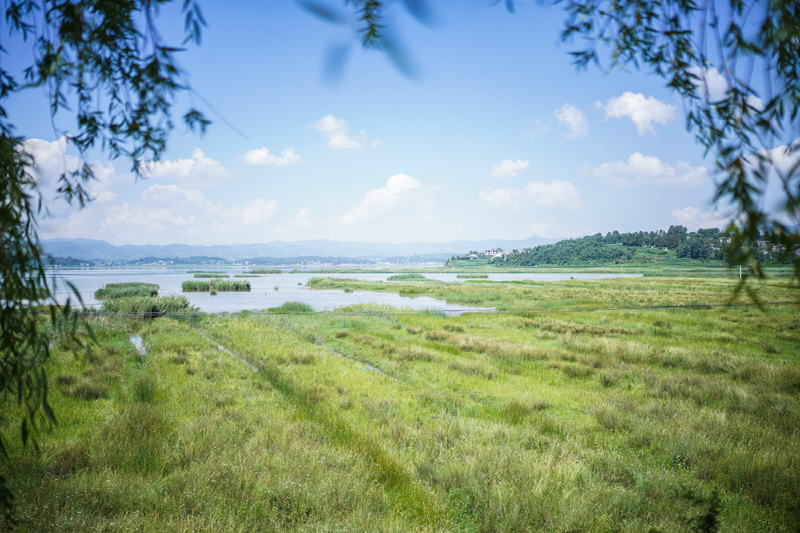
<point x="215" y="285"/>
<point x="210" y="275"/>
<point x="581" y="407"/>
<point x="265" y="271"/>
<point x="472" y="276"/>
<point x="124" y="290"/>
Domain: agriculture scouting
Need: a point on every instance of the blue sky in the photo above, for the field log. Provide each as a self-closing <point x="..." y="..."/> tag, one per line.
<point x="496" y="135"/>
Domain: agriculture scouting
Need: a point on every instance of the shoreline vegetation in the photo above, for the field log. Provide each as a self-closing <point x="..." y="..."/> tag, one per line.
<point x="580" y="405"/>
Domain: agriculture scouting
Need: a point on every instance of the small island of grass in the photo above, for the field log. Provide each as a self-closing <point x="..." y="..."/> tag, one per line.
<point x="210" y="275"/>
<point x="125" y="290"/>
<point x="407" y="277"/>
<point x="265" y="271"/>
<point x="473" y="276"/>
<point x="216" y="284"/>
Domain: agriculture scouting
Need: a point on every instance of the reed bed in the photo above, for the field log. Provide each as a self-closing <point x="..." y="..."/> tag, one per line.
<point x="216" y="284"/>
<point x="265" y="271"/>
<point x="148" y="306"/>
<point x="126" y="290"/>
<point x="210" y="275"/>
<point x="472" y="276"/>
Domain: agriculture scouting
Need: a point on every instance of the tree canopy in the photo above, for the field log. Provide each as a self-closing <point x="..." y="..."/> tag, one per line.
<point x="104" y="63"/>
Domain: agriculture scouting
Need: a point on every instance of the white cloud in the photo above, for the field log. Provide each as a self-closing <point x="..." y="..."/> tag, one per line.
<point x="554" y="194"/>
<point x="302" y="220"/>
<point x="574" y="119"/>
<point x="336" y="130"/>
<point x="199" y="171"/>
<point x="693" y="218"/>
<point x="783" y="157"/>
<point x="399" y="189"/>
<point x="648" y="170"/>
<point x="50" y="159"/>
<point x="508" y="168"/>
<point x="710" y="82"/>
<point x="261" y="156"/>
<point x="642" y="111"/>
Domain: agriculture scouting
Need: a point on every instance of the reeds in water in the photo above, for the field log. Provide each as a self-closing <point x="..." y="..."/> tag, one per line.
<point x="215" y="284"/>
<point x="126" y="290"/>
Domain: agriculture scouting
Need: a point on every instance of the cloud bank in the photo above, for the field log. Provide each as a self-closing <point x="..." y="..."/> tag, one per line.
<point x="547" y="195"/>
<point x="648" y="170"/>
<point x="261" y="156"/>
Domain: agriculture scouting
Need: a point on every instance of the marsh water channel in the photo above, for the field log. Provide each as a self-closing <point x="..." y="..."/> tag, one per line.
<point x="273" y="290"/>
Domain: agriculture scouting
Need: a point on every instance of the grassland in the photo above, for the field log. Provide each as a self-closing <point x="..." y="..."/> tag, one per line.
<point x="582" y="406"/>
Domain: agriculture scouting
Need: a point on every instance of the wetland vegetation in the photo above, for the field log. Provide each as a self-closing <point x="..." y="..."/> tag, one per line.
<point x="612" y="405"/>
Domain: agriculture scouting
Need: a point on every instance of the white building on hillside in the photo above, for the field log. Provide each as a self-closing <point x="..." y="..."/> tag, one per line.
<point x="494" y="252"/>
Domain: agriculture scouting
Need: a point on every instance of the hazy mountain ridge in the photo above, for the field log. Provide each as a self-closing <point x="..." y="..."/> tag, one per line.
<point x="89" y="249"/>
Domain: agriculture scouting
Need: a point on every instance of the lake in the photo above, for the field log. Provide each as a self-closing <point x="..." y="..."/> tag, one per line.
<point x="273" y="290"/>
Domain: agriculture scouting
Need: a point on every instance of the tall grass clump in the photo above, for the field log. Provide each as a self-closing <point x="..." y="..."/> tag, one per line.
<point x="265" y="271"/>
<point x="209" y="275"/>
<point x="215" y="285"/>
<point x="148" y="306"/>
<point x="407" y="277"/>
<point x="473" y="276"/>
<point x="292" y="307"/>
<point x="126" y="290"/>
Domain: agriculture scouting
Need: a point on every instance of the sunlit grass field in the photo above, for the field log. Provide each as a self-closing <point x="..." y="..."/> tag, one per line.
<point x="580" y="406"/>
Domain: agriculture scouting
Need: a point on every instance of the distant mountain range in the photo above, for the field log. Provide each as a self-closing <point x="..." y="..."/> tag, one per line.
<point x="94" y="250"/>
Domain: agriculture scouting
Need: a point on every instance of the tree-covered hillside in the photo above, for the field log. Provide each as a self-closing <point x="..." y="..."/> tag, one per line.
<point x="641" y="247"/>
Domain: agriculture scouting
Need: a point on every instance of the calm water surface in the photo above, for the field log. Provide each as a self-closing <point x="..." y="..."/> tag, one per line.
<point x="290" y="287"/>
